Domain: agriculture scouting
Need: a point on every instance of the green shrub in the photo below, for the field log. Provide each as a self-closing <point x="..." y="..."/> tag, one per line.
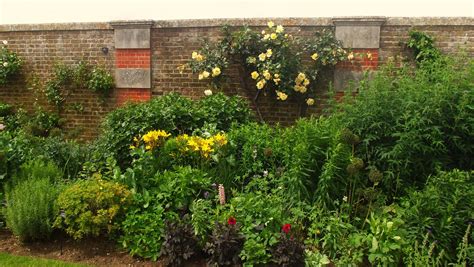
<point x="30" y="199"/>
<point x="443" y="208"/>
<point x="30" y="212"/>
<point x="20" y="147"/>
<point x="412" y="121"/>
<point x="173" y="113"/>
<point x="92" y="207"/>
<point x="223" y="111"/>
<point x="143" y="228"/>
<point x="10" y="63"/>
<point x="5" y="110"/>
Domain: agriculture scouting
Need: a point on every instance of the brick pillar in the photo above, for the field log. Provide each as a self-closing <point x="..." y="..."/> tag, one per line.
<point x="362" y="36"/>
<point x="132" y="60"/>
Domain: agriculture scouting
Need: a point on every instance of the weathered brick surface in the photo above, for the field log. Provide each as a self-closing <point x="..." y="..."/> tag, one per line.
<point x="132" y="95"/>
<point x="132" y="58"/>
<point x="172" y="42"/>
<point x="40" y="50"/>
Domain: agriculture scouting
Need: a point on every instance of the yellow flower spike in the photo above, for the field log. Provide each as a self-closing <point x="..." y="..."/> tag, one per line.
<point x="310" y="101"/>
<point x="279" y="29"/>
<point x="273" y="36"/>
<point x="262" y="56"/>
<point x="254" y="75"/>
<point x="206" y="74"/>
<point x="216" y="72"/>
<point x="270" y="24"/>
<point x="267" y="75"/>
<point x="269" y="53"/>
<point x="315" y="56"/>
<point x="261" y="84"/>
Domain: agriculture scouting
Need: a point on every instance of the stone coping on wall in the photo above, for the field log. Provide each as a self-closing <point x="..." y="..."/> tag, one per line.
<point x="187" y="23"/>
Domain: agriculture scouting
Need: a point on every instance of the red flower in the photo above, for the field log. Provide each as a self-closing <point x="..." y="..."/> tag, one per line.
<point x="231" y="221"/>
<point x="286" y="228"/>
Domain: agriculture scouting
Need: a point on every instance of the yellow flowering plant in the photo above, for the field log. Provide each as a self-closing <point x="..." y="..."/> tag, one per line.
<point x="277" y="63"/>
<point x="208" y="63"/>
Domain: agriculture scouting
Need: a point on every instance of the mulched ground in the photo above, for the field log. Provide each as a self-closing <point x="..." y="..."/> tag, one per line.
<point x="97" y="252"/>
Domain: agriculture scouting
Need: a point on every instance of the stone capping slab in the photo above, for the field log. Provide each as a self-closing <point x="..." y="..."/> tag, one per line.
<point x="359" y="21"/>
<point x="193" y="23"/>
<point x="132" y="24"/>
<point x="323" y="21"/>
<point x="133" y="78"/>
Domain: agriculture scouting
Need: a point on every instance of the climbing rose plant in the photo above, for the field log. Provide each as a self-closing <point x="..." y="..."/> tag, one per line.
<point x="10" y="63"/>
<point x="275" y="62"/>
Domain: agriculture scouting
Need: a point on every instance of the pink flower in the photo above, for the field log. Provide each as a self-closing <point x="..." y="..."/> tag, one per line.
<point x="221" y="195"/>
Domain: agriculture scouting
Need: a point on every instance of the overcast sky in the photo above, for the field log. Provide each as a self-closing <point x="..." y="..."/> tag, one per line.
<point x="47" y="11"/>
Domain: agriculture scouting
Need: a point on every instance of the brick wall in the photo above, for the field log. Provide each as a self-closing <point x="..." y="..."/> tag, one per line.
<point x="172" y="42"/>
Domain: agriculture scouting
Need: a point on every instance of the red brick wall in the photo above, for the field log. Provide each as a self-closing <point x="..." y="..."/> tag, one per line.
<point x="172" y="43"/>
<point x="40" y="50"/>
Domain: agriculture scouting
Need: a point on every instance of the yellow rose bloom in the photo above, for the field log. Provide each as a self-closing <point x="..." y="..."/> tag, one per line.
<point x="350" y="56"/>
<point x="315" y="56"/>
<point x="261" y="84"/>
<point x="297" y="88"/>
<point x="310" y="101"/>
<point x="267" y="75"/>
<point x="266" y="36"/>
<point x="369" y="56"/>
<point x="279" y="29"/>
<point x="205" y="74"/>
<point x="269" y="53"/>
<point x="306" y="82"/>
<point x="301" y="76"/>
<point x="270" y="24"/>
<point x="276" y="75"/>
<point x="194" y="55"/>
<point x="303" y="89"/>
<point x="262" y="56"/>
<point x="254" y="75"/>
<point x="273" y="36"/>
<point x="216" y="71"/>
<point x="199" y="57"/>
<point x="263" y="32"/>
<point x="200" y="77"/>
<point x="276" y="81"/>
<point x="281" y="96"/>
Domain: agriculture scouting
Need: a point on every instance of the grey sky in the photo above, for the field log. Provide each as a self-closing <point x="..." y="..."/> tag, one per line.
<point x="46" y="11"/>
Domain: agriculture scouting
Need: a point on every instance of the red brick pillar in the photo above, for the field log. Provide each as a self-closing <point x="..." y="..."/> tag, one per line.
<point x="132" y="60"/>
<point x="362" y="36"/>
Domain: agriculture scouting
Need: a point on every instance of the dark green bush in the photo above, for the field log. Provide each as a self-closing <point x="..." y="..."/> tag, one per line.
<point x="172" y="113"/>
<point x="20" y="147"/>
<point x="413" y="121"/>
<point x="30" y="199"/>
<point x="443" y="208"/>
